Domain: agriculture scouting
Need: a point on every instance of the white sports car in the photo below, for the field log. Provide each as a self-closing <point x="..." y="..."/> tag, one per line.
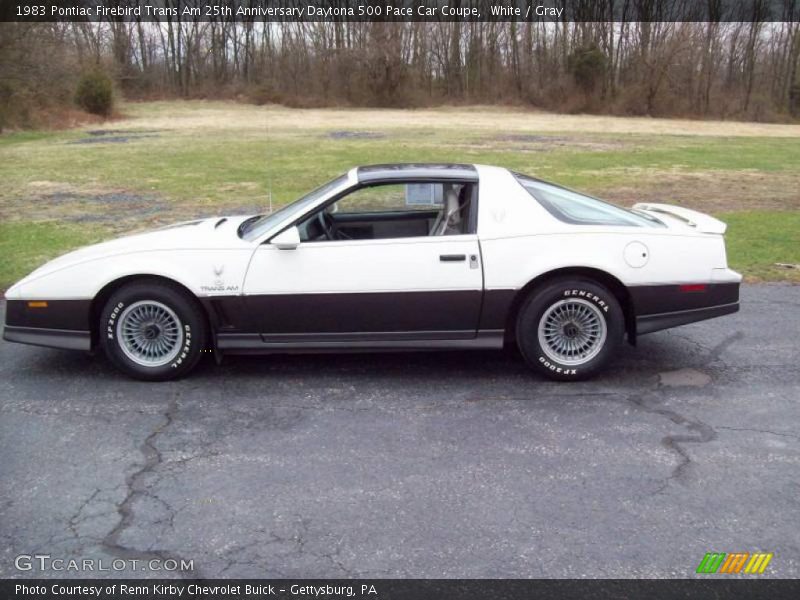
<point x="388" y="257"/>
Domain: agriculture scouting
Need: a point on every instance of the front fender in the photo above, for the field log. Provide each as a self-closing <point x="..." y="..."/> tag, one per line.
<point x="203" y="272"/>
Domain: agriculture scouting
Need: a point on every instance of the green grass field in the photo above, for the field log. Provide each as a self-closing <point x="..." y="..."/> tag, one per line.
<point x="168" y="161"/>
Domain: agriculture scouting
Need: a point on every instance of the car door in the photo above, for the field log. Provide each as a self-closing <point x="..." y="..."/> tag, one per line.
<point x="417" y="287"/>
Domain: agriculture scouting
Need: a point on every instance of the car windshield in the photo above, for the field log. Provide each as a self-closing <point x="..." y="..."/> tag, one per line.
<point x="579" y="209"/>
<point x="256" y="227"/>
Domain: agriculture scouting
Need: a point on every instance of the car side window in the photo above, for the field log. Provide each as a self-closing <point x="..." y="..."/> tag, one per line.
<point x="393" y="210"/>
<point x="398" y="197"/>
<point x="578" y="209"/>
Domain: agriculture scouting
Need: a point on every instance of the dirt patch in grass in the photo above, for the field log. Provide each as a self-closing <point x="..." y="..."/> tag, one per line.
<point x="116" y="211"/>
<point x="356" y="135"/>
<point x="712" y="191"/>
<point x="105" y="140"/>
<point x="119" y="210"/>
<point x="519" y="142"/>
<point x="114" y="136"/>
<point x="98" y="132"/>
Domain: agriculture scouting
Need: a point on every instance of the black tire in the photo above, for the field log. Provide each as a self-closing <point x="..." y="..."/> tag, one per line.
<point x="582" y="357"/>
<point x="181" y="317"/>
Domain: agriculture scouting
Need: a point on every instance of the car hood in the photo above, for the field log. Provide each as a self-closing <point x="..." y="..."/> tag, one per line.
<point x="215" y="232"/>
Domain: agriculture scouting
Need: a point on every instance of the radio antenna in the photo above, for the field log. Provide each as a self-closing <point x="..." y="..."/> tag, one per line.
<point x="266" y="156"/>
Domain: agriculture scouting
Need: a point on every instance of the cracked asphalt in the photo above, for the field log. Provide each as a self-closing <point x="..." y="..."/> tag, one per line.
<point x="415" y="465"/>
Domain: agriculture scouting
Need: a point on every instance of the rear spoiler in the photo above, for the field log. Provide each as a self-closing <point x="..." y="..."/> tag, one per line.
<point x="702" y="222"/>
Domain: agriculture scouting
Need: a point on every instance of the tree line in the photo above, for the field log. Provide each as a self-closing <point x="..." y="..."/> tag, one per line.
<point x="742" y="70"/>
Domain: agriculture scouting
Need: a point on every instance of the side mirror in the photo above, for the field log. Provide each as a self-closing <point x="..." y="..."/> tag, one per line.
<point x="287" y="240"/>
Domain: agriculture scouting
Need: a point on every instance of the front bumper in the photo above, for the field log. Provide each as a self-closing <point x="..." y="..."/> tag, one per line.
<point x="52" y="323"/>
<point x="52" y="338"/>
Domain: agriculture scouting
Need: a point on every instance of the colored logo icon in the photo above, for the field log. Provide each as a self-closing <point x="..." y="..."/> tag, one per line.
<point x="736" y="562"/>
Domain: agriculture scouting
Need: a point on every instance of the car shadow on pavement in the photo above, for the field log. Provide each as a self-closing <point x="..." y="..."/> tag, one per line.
<point x="658" y="353"/>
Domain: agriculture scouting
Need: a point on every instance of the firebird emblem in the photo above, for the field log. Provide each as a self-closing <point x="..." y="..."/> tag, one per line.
<point x="218" y="270"/>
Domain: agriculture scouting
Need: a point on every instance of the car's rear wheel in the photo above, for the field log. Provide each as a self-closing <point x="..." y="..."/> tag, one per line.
<point x="569" y="329"/>
<point x="152" y="331"/>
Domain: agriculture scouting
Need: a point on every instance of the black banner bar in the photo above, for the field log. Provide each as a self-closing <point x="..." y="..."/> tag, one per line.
<point x="398" y="589"/>
<point x="267" y="11"/>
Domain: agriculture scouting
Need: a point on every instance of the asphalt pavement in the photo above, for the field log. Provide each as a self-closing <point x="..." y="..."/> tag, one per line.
<point x="413" y="465"/>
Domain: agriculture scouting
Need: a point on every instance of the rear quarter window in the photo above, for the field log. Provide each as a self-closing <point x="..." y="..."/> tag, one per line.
<point x="579" y="209"/>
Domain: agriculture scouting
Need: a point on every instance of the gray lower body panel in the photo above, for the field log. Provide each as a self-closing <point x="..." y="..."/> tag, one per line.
<point x="234" y="343"/>
<point x="657" y="322"/>
<point x="52" y="338"/>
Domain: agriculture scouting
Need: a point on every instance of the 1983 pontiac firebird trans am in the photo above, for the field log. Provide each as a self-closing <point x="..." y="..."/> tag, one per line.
<point x="388" y="257"/>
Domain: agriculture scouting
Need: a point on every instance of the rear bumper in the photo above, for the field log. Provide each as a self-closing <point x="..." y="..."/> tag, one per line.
<point x="657" y="322"/>
<point x="52" y="338"/>
<point x="660" y="307"/>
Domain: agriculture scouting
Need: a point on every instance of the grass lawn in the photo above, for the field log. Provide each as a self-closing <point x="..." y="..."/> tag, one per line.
<point x="168" y="161"/>
<point x="25" y="245"/>
<point x="756" y="240"/>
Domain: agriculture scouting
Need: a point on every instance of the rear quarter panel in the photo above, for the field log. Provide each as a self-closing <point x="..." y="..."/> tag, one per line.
<point x="510" y="263"/>
<point x="520" y="241"/>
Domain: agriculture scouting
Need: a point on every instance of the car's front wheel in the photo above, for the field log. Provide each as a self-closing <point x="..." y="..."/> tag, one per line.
<point x="152" y="331"/>
<point x="570" y="328"/>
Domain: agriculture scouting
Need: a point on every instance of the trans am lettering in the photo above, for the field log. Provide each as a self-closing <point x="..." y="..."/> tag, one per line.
<point x="219" y="283"/>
